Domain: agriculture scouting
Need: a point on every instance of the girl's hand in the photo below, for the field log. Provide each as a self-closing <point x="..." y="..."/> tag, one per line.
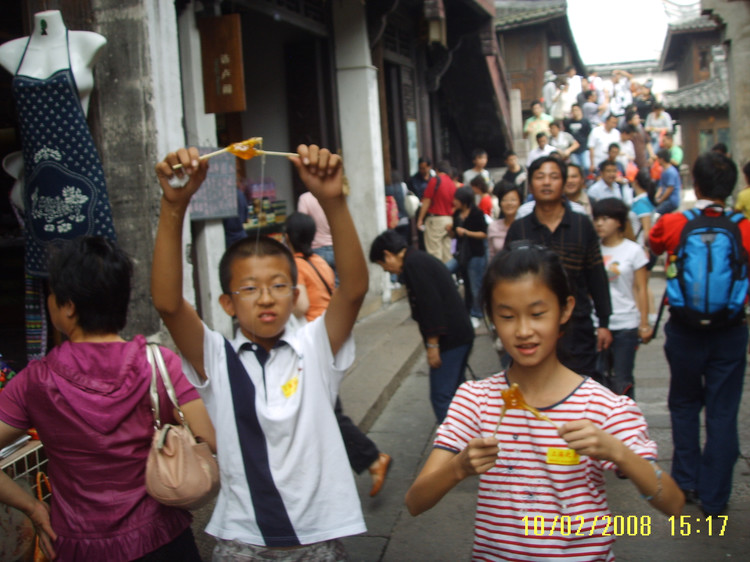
<point x="192" y="166"/>
<point x="587" y="438"/>
<point x="460" y="231"/>
<point x="479" y="456"/>
<point x="39" y="515"/>
<point x="320" y="170"/>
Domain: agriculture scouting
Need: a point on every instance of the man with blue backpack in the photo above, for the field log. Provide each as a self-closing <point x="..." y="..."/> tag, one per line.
<point x="706" y="336"/>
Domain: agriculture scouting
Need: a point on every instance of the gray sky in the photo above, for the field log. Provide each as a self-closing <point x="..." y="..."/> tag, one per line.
<point x="608" y="31"/>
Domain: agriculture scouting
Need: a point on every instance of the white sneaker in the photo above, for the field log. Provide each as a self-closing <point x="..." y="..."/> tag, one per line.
<point x="475" y="322"/>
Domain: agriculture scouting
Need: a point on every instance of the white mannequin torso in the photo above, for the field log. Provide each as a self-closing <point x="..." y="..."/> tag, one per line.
<point x="48" y="52"/>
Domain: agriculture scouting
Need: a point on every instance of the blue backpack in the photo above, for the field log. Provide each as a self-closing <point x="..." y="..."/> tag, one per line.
<point x="707" y="280"/>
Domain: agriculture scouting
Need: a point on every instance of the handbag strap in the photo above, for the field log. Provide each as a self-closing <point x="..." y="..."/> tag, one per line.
<point x="328" y="287"/>
<point x="155" y="359"/>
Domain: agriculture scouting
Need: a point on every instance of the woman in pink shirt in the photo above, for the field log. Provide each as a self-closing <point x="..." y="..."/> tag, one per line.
<point x="89" y="401"/>
<point x="509" y="196"/>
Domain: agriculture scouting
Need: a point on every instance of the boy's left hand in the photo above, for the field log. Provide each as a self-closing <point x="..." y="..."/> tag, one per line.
<point x="320" y="170"/>
<point x="587" y="438"/>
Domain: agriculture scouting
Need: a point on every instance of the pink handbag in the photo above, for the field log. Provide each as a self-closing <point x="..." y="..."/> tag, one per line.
<point x="180" y="472"/>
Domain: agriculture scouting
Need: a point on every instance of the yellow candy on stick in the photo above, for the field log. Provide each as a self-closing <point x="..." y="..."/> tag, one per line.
<point x="513" y="399"/>
<point x="244" y="149"/>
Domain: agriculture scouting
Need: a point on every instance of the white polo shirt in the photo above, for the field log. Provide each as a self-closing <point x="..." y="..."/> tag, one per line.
<point x="295" y="469"/>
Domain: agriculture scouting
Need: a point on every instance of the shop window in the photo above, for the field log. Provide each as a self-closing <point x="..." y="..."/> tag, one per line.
<point x="705" y="140"/>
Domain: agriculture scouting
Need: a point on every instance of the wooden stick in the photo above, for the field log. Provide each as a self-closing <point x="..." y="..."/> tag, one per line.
<point x="258" y="150"/>
<point x="204" y="157"/>
<point x="273" y="153"/>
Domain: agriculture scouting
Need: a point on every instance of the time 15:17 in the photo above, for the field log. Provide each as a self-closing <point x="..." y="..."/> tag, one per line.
<point x="685" y="527"/>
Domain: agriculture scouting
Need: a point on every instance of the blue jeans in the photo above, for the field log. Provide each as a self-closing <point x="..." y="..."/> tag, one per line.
<point x="475" y="273"/>
<point x="473" y="277"/>
<point x="445" y="380"/>
<point x="617" y="362"/>
<point x="326" y="252"/>
<point x="583" y="160"/>
<point x="707" y="369"/>
<point x="665" y="207"/>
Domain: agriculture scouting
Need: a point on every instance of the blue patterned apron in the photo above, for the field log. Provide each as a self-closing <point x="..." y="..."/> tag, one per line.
<point x="65" y="195"/>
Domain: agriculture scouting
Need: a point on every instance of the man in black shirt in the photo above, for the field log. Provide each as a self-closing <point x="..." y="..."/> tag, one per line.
<point x="437" y="308"/>
<point x="573" y="237"/>
<point x="580" y="129"/>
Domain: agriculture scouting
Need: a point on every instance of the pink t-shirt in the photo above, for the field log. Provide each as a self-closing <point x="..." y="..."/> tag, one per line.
<point x="90" y="404"/>
<point x="309" y="205"/>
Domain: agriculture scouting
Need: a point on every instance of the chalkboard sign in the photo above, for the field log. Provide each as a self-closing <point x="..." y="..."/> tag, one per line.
<point x="217" y="197"/>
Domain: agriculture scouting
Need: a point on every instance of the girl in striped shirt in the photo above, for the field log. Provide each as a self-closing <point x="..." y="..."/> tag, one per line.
<point x="541" y="478"/>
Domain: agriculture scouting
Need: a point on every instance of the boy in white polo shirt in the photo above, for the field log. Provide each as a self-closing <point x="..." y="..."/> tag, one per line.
<point x="286" y="488"/>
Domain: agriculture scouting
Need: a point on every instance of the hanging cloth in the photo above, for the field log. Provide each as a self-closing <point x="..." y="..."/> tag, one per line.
<point x="65" y="195"/>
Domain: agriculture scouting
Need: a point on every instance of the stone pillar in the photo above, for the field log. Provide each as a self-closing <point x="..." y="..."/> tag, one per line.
<point x="359" y="113"/>
<point x="201" y="131"/>
<point x="137" y="106"/>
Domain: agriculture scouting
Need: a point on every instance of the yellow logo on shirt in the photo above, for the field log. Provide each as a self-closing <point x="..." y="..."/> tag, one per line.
<point x="562" y="456"/>
<point x="290" y="387"/>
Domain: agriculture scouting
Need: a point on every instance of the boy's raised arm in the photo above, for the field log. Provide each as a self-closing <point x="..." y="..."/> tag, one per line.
<point x="322" y="173"/>
<point x="181" y="319"/>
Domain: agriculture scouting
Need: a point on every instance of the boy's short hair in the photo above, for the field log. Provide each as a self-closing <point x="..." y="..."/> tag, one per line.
<point x="665" y="154"/>
<point x="480" y="183"/>
<point x="94" y="274"/>
<point x="613" y="208"/>
<point x="714" y="175"/>
<point x="720" y="147"/>
<point x="252" y="247"/>
<point x="557" y="123"/>
<point x="423" y="160"/>
<point x="509" y="154"/>
<point x="445" y="167"/>
<point x="477" y="152"/>
<point x="535" y="102"/>
<point x="389" y="240"/>
<point x="465" y="196"/>
<point x="540" y="135"/>
<point x="746" y="172"/>
<point x="613" y="145"/>
<point x="606" y="164"/>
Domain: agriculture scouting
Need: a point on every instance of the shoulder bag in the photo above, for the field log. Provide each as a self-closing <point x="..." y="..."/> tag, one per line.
<point x="180" y="472"/>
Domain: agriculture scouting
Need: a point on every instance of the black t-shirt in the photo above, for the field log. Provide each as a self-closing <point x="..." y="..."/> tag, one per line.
<point x="435" y="303"/>
<point x="577" y="244"/>
<point x="473" y="222"/>
<point x="580" y="131"/>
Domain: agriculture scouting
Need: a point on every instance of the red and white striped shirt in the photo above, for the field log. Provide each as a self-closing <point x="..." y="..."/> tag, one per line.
<point x="528" y="507"/>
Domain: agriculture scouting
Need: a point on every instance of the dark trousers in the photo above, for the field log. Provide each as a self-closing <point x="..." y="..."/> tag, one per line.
<point x="707" y="368"/>
<point x="445" y="380"/>
<point x="617" y="362"/>
<point x="577" y="347"/>
<point x="362" y="452"/>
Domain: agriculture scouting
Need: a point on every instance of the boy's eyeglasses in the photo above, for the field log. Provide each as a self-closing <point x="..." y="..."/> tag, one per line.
<point x="277" y="291"/>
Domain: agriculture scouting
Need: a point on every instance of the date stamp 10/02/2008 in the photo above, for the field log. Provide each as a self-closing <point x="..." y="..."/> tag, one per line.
<point x="622" y="525"/>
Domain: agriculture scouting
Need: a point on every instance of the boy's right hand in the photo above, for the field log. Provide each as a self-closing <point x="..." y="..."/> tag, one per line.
<point x="479" y="456"/>
<point x="192" y="166"/>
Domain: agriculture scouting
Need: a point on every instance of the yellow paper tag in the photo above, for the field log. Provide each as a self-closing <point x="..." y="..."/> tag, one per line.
<point x="562" y="456"/>
<point x="290" y="387"/>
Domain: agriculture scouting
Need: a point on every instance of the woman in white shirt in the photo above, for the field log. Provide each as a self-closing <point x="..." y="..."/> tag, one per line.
<point x="625" y="263"/>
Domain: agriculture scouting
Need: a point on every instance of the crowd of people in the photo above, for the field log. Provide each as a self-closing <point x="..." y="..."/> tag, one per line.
<point x="557" y="269"/>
